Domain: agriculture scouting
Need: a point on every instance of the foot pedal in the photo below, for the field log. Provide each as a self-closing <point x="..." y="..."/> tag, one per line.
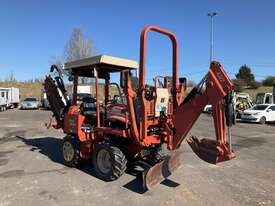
<point x="160" y="171"/>
<point x="210" y="150"/>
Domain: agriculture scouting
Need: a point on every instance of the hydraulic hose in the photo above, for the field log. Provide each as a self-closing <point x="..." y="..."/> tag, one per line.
<point x="229" y="116"/>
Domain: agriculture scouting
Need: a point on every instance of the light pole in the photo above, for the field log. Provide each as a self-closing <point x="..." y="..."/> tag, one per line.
<point x="211" y="14"/>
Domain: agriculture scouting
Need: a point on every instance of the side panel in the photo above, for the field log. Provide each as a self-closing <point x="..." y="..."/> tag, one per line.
<point x="3" y="99"/>
<point x="72" y="125"/>
<point x="272" y="115"/>
<point x="14" y="96"/>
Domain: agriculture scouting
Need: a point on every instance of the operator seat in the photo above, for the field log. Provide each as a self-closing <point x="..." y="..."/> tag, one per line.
<point x="88" y="109"/>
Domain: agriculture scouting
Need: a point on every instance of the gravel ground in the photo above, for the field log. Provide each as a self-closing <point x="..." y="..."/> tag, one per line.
<point x="31" y="172"/>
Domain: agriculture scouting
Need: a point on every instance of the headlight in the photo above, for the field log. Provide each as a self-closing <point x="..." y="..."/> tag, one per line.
<point x="256" y="113"/>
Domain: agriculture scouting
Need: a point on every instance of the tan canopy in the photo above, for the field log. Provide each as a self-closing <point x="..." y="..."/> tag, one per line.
<point x="102" y="60"/>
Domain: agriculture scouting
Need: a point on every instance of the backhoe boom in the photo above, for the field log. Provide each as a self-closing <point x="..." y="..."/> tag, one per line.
<point x="217" y="87"/>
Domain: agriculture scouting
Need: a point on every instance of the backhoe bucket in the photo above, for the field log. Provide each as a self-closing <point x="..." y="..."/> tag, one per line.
<point x="210" y="150"/>
<point x="160" y="171"/>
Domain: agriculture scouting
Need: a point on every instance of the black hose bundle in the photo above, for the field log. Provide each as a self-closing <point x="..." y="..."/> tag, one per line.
<point x="229" y="109"/>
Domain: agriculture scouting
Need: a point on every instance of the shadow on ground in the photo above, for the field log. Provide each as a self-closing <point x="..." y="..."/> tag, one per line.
<point x="50" y="147"/>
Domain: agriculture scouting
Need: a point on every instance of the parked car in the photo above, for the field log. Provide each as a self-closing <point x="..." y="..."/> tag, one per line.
<point x="30" y="103"/>
<point x="261" y="113"/>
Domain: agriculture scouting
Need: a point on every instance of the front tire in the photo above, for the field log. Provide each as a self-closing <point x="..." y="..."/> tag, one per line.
<point x="109" y="162"/>
<point x="262" y="120"/>
<point x="70" y="151"/>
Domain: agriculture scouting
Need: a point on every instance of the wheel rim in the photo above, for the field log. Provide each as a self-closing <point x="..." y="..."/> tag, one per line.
<point x="104" y="161"/>
<point x="68" y="151"/>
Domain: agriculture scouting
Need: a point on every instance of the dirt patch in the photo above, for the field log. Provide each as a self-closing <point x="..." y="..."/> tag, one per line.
<point x="3" y="153"/>
<point x="20" y="173"/>
<point x="249" y="142"/>
<point x="12" y="173"/>
<point x="44" y="192"/>
<point x="3" y="160"/>
<point x="12" y="136"/>
<point x="8" y="139"/>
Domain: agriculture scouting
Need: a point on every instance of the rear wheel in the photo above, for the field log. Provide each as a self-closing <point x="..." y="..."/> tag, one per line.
<point x="16" y="105"/>
<point x="70" y="151"/>
<point x="262" y="120"/>
<point x="109" y="162"/>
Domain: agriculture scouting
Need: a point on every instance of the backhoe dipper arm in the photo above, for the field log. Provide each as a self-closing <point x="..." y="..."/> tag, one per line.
<point x="217" y="92"/>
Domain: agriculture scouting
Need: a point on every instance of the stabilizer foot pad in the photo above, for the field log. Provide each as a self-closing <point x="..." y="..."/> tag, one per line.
<point x="160" y="171"/>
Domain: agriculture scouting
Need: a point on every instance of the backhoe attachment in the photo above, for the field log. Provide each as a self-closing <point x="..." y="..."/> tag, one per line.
<point x="219" y="150"/>
<point x="216" y="89"/>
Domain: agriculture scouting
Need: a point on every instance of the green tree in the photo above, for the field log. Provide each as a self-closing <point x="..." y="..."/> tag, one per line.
<point x="269" y="81"/>
<point x="239" y="84"/>
<point x="246" y="75"/>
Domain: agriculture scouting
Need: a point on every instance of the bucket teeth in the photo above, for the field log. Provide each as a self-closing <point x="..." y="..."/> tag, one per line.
<point x="160" y="171"/>
<point x="209" y="150"/>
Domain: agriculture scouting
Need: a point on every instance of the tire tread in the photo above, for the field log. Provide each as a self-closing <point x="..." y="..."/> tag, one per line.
<point x="119" y="162"/>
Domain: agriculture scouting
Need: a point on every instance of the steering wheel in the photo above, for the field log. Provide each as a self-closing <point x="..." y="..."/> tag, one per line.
<point x="116" y="98"/>
<point x="150" y="93"/>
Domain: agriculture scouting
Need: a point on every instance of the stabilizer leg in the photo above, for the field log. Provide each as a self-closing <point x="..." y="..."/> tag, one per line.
<point x="161" y="171"/>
